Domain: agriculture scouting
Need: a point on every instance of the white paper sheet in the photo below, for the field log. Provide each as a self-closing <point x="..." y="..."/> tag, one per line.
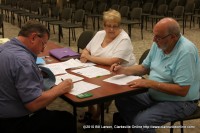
<point x="81" y="87"/>
<point x="121" y="79"/>
<point x="74" y="63"/>
<point x="56" y="68"/>
<point x="67" y="76"/>
<point x="92" y="71"/>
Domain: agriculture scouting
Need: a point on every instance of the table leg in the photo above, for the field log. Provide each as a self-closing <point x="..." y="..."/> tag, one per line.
<point x="102" y="117"/>
<point x="75" y="119"/>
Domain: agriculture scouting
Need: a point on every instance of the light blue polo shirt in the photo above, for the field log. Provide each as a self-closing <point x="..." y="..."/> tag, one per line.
<point x="181" y="67"/>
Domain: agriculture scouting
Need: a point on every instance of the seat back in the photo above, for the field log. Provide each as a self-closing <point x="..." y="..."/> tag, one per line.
<point x="162" y="10"/>
<point x="115" y="7"/>
<point x="84" y="39"/>
<point x="88" y="6"/>
<point x="66" y="14"/>
<point x="143" y="56"/>
<point x="79" y="15"/>
<point x="124" y="10"/>
<point x="101" y="8"/>
<point x="147" y="8"/>
<point x="178" y="11"/>
<point x="189" y="7"/>
<point x="134" y="4"/>
<point x="136" y="13"/>
<point x="45" y="10"/>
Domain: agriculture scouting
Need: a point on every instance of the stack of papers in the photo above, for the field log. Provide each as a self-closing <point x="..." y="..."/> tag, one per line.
<point x="92" y="71"/>
<point x="81" y="87"/>
<point x="121" y="79"/>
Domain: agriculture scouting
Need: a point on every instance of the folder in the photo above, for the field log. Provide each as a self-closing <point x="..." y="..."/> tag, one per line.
<point x="64" y="54"/>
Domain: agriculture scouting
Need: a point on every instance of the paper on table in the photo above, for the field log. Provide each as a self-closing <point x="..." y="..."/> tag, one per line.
<point x="67" y="76"/>
<point x="74" y="63"/>
<point x="92" y="71"/>
<point x="121" y="79"/>
<point x="81" y="87"/>
<point x="56" y="68"/>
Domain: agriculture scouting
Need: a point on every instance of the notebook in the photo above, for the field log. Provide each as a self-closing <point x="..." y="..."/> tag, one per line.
<point x="64" y="54"/>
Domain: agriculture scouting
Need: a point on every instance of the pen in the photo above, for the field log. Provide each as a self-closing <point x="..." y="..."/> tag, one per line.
<point x="115" y="66"/>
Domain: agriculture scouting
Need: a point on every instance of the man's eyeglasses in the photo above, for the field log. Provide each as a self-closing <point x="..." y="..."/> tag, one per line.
<point x="114" y="27"/>
<point x="157" y="39"/>
<point x="43" y="42"/>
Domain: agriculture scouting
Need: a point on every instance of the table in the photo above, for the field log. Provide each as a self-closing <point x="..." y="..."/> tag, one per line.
<point x="106" y="91"/>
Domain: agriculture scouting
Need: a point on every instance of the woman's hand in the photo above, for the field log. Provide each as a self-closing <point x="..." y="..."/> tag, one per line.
<point x="84" y="56"/>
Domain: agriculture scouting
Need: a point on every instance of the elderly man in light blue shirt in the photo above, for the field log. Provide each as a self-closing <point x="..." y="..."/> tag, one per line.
<point x="173" y="83"/>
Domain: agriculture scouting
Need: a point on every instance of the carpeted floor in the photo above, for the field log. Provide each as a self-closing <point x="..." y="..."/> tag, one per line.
<point x="139" y="47"/>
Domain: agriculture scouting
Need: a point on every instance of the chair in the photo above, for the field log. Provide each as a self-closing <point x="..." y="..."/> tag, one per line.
<point x="101" y="8"/>
<point x="171" y="7"/>
<point x="1" y="26"/>
<point x="143" y="56"/>
<point x="55" y="12"/>
<point x="134" y="4"/>
<point x="77" y="22"/>
<point x="34" y="11"/>
<point x="189" y="12"/>
<point x="178" y="14"/>
<point x="135" y="18"/>
<point x="146" y="11"/>
<point x="65" y="16"/>
<point x="158" y="3"/>
<point x="124" y="11"/>
<point x="161" y="13"/>
<point x="44" y="13"/>
<point x="88" y="10"/>
<point x="195" y="115"/>
<point x="84" y="39"/>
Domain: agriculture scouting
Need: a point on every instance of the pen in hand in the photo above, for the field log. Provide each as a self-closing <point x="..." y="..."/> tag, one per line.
<point x="115" y="66"/>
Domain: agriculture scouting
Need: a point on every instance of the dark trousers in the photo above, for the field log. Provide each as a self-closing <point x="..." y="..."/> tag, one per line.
<point x="43" y="121"/>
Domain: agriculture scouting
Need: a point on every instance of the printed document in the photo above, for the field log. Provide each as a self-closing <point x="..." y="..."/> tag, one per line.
<point x="67" y="76"/>
<point x="121" y="79"/>
<point x="92" y="71"/>
<point x="81" y="87"/>
<point x="56" y="68"/>
<point x="75" y="63"/>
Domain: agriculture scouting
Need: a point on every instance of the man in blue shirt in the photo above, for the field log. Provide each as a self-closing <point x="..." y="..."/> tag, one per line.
<point x="22" y="96"/>
<point x="173" y="83"/>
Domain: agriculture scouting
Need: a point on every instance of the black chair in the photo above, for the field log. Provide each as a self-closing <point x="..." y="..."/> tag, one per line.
<point x="178" y="15"/>
<point x="189" y="12"/>
<point x="77" y="22"/>
<point x="146" y="11"/>
<point x="135" y="19"/>
<point x="172" y="5"/>
<point x="88" y="10"/>
<point x="65" y="17"/>
<point x="124" y="11"/>
<point x="1" y="26"/>
<point x="161" y="13"/>
<point x="84" y="39"/>
<point x="195" y="115"/>
<point x="98" y="14"/>
<point x="54" y="16"/>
